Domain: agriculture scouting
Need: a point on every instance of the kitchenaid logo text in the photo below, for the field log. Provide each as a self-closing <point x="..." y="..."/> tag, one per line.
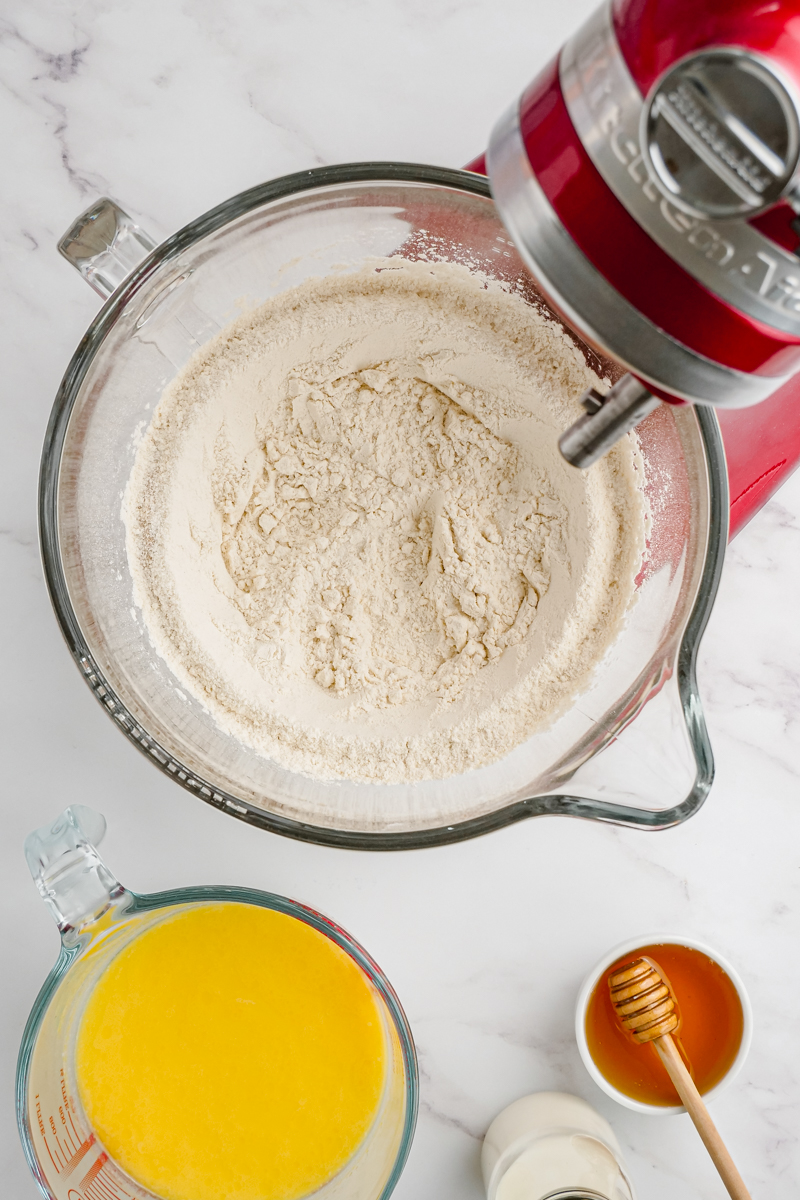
<point x="615" y="107"/>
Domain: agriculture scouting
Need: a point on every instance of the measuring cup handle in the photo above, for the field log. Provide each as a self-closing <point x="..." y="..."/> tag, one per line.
<point x="72" y="879"/>
<point x="104" y="244"/>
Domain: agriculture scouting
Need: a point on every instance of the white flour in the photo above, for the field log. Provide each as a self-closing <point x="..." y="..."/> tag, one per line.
<point x="353" y="538"/>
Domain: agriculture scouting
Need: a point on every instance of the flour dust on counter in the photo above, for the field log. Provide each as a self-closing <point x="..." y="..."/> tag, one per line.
<point x="352" y="536"/>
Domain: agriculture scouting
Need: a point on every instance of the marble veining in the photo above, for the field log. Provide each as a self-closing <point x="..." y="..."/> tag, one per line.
<point x="171" y="106"/>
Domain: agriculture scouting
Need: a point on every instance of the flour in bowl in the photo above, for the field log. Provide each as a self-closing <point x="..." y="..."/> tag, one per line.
<point x="353" y="538"/>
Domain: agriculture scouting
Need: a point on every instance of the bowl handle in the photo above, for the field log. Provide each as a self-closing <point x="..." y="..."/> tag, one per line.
<point x="105" y="245"/>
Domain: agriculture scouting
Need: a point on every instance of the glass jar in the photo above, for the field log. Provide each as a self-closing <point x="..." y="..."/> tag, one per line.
<point x="552" y="1146"/>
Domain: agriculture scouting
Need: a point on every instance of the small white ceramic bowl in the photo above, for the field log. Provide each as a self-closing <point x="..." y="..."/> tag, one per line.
<point x="629" y="947"/>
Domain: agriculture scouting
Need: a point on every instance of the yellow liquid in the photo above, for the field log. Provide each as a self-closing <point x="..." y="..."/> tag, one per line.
<point x="231" y="1053"/>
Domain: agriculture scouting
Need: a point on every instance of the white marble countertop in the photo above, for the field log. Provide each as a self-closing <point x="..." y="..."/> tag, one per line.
<point x="171" y="106"/>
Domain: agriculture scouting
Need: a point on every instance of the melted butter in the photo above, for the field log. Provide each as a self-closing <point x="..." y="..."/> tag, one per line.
<point x="231" y="1053"/>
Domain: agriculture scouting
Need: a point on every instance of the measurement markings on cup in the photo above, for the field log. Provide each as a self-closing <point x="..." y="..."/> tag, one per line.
<point x="80" y="1154"/>
<point x="70" y="1152"/>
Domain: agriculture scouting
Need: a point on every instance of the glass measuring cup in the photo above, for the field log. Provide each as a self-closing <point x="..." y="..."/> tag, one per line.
<point x="97" y="918"/>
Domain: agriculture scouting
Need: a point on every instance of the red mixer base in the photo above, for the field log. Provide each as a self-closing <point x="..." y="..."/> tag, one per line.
<point x="762" y="444"/>
<point x="762" y="448"/>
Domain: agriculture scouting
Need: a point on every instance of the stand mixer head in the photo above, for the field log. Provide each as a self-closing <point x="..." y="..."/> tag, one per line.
<point x="648" y="177"/>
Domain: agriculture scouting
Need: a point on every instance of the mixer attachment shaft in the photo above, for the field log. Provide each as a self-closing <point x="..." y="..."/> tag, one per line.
<point x="608" y="418"/>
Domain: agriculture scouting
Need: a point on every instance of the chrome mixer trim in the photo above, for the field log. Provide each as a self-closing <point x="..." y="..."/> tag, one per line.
<point x="586" y="298"/>
<point x="688" y="98"/>
<point x="732" y="259"/>
<point x="606" y="420"/>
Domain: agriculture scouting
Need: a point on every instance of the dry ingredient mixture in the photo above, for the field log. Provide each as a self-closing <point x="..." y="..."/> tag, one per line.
<point x="352" y="536"/>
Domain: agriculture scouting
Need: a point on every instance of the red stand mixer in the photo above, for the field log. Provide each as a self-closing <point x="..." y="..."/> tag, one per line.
<point x="649" y="179"/>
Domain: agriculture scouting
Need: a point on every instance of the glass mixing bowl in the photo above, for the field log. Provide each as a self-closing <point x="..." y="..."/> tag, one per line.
<point x="162" y="304"/>
<point x="97" y="918"/>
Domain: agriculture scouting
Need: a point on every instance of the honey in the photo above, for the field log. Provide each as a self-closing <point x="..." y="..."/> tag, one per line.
<point x="709" y="1036"/>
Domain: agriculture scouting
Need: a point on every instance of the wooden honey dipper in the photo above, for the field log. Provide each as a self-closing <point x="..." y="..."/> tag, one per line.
<point x="645" y="1006"/>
